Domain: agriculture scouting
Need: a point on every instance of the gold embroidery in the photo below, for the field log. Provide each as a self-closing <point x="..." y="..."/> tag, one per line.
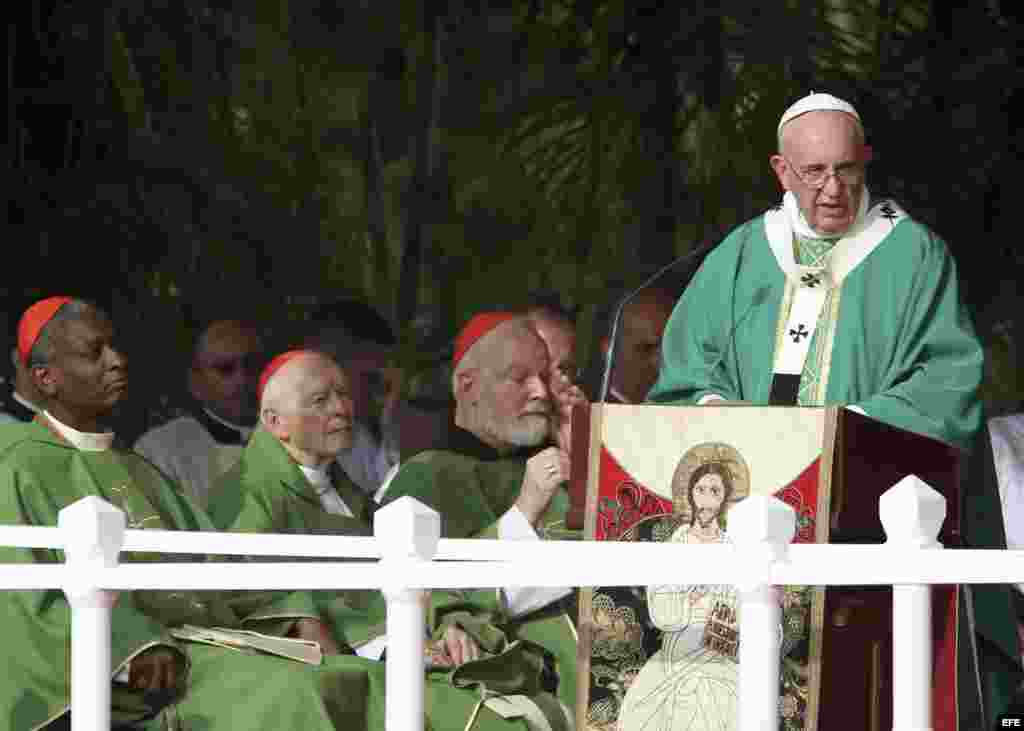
<point x="122" y="494"/>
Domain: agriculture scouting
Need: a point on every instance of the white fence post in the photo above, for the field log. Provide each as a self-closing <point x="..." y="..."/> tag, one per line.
<point x="408" y="532"/>
<point x="761" y="527"/>
<point x="93" y="532"/>
<point x="912" y="513"/>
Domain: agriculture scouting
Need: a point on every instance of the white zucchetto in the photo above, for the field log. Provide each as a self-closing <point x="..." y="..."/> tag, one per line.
<point x="817" y="103"/>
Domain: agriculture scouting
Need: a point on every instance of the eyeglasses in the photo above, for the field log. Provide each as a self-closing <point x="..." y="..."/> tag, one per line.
<point x="816" y="176"/>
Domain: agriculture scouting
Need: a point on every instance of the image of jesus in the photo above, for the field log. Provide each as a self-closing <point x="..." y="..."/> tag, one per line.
<point x="691" y="683"/>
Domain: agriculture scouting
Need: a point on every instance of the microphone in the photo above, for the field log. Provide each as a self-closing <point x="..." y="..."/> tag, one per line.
<point x="613" y="330"/>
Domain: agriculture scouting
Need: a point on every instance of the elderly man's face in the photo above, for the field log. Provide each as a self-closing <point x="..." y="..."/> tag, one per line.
<point x="819" y="142"/>
<point x="560" y="339"/>
<point x="88" y="374"/>
<point x="226" y="370"/>
<point x="514" y="400"/>
<point x="319" y="422"/>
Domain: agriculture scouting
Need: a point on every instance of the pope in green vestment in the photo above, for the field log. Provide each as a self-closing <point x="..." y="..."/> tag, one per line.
<point x="827" y="299"/>
<point x="893" y="339"/>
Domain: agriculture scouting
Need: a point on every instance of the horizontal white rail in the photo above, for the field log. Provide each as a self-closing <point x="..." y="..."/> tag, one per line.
<point x="804" y="564"/>
<point x="406" y="556"/>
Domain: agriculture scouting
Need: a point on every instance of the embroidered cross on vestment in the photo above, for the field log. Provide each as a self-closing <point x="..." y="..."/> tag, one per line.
<point x="800" y="333"/>
<point x="888" y="212"/>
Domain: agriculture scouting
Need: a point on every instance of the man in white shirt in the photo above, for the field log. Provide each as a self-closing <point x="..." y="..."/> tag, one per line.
<point x="194" y="450"/>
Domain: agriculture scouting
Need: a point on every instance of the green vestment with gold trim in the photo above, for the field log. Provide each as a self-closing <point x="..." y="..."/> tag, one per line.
<point x="471" y="486"/>
<point x="40" y="474"/>
<point x="893" y="339"/>
<point x="267" y="492"/>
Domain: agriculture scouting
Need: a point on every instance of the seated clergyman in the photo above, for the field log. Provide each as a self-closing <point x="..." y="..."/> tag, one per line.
<point x="495" y="478"/>
<point x="288" y="481"/>
<point x="65" y="455"/>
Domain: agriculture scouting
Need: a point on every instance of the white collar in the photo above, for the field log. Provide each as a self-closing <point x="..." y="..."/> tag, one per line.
<point x="245" y="431"/>
<point x="803" y="229"/>
<point x="83" y="441"/>
<point x="318" y="477"/>
<point x="24" y="402"/>
<point x="848" y="252"/>
<point x="330" y="500"/>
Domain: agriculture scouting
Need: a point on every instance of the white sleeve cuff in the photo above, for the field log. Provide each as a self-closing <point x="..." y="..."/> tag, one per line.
<point x="856" y="409"/>
<point x="708" y="397"/>
<point x="373" y="649"/>
<point x="513" y="526"/>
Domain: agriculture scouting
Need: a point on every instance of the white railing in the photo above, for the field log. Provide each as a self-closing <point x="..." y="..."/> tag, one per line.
<point x="406" y="541"/>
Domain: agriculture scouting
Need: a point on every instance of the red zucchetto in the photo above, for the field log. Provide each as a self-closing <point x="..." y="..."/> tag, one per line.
<point x="476" y="328"/>
<point x="33" y="321"/>
<point x="277" y="364"/>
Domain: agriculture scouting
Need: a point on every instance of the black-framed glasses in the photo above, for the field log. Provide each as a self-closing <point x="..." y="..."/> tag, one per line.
<point x="816" y="176"/>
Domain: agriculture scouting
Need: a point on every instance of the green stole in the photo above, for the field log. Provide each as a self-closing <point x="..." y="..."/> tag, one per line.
<point x="815" y="252"/>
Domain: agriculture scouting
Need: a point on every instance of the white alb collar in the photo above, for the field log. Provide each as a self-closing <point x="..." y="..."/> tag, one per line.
<point x="803" y="229"/>
<point x="318" y="477"/>
<point x="80" y="440"/>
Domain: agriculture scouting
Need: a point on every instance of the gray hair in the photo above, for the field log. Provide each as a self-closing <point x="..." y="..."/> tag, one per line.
<point x="482" y="353"/>
<point x="42" y="349"/>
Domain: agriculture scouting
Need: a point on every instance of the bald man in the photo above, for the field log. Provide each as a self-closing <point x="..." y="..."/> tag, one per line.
<point x="496" y="477"/>
<point x="638" y="360"/>
<point x="287" y="480"/>
<point x="194" y="450"/>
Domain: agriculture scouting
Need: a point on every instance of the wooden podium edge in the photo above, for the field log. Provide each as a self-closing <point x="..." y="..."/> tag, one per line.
<point x="595" y="423"/>
<point x="822" y="530"/>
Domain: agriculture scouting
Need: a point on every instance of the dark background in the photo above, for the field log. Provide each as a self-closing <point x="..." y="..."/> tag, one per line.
<point x="172" y="158"/>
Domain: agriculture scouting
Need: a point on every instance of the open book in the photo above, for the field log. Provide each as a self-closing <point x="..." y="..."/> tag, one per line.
<point x="243" y="640"/>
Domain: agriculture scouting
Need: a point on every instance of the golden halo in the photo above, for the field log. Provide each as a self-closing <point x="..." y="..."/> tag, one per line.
<point x="701" y="454"/>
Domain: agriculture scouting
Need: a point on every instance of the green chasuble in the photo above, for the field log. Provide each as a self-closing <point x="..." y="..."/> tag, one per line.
<point x="267" y="492"/>
<point x="896" y="340"/>
<point x="472" y="486"/>
<point x="893" y="339"/>
<point x="223" y="689"/>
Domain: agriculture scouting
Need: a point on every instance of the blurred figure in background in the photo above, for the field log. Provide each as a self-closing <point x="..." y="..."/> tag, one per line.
<point x="196" y="449"/>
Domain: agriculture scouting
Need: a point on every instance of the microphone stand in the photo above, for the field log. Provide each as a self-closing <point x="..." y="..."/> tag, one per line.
<point x="613" y="330"/>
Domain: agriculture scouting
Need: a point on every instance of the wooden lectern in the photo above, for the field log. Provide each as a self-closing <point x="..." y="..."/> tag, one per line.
<point x="637" y="474"/>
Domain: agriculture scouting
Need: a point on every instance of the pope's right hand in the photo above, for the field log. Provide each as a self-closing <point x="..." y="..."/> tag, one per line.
<point x="545" y="472"/>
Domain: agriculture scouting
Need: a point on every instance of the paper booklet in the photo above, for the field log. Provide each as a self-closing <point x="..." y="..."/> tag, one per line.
<point x="243" y="640"/>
